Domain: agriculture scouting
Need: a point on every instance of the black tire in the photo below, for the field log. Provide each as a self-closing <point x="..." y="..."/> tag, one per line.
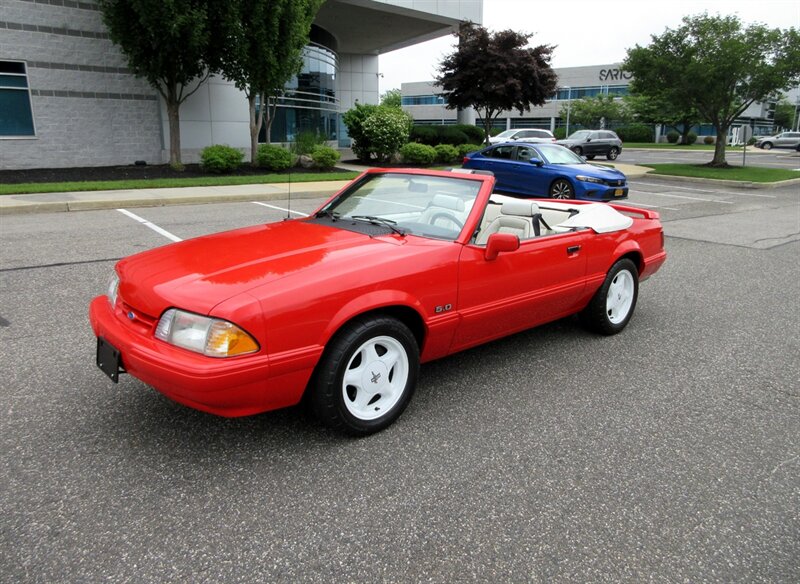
<point x="613" y="153"/>
<point x="561" y="189"/>
<point x="590" y="157"/>
<point x="578" y="150"/>
<point x="335" y="404"/>
<point x="599" y="315"/>
<point x="767" y="146"/>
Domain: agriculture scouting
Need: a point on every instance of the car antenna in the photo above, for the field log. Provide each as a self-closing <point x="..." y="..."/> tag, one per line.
<point x="289" y="202"/>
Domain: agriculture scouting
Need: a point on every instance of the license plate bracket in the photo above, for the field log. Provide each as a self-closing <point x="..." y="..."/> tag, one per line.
<point x="109" y="359"/>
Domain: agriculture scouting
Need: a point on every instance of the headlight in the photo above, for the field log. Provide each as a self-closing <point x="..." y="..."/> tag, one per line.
<point x="590" y="179"/>
<point x="210" y="336"/>
<point x="113" y="288"/>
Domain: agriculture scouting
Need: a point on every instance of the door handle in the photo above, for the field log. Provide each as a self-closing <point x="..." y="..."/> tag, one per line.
<point x="573" y="249"/>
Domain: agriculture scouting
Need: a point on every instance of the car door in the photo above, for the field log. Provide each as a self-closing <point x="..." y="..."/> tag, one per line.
<point x="523" y="176"/>
<point x="543" y="280"/>
<point x="500" y="160"/>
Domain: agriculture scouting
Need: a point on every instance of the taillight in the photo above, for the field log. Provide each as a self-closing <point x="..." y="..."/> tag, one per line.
<point x="466" y="159"/>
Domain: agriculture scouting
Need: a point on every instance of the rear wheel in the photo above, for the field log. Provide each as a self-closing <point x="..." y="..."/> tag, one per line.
<point x="561" y="189"/>
<point x="366" y="376"/>
<point x="612" y="154"/>
<point x="612" y="305"/>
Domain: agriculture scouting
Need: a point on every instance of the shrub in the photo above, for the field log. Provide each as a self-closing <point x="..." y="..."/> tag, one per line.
<point x="274" y="157"/>
<point x="325" y="157"/>
<point x="446" y="153"/>
<point x="220" y="159"/>
<point x="415" y="153"/>
<point x="474" y="133"/>
<point x="464" y="149"/>
<point x="377" y="131"/>
<point x="306" y="141"/>
<point x="635" y="133"/>
<point x="673" y="136"/>
<point x="708" y="140"/>
<point x="691" y="138"/>
<point x="424" y="135"/>
<point x="560" y="133"/>
<point x="452" y="135"/>
<point x="385" y="131"/>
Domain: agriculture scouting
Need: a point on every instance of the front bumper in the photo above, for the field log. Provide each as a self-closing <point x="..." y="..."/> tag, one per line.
<point x="596" y="192"/>
<point x="236" y="386"/>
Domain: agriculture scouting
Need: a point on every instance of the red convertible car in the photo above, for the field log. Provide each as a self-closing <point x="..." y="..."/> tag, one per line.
<point x="340" y="308"/>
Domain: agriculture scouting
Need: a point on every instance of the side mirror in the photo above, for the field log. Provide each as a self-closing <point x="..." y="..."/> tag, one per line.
<point x="500" y="242"/>
<point x="537" y="161"/>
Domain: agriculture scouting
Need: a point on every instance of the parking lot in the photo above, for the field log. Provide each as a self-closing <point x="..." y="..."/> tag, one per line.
<point x="669" y="452"/>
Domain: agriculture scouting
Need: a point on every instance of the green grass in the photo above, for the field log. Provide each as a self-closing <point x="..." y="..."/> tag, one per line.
<point x="211" y="181"/>
<point x="668" y="146"/>
<point x="746" y="174"/>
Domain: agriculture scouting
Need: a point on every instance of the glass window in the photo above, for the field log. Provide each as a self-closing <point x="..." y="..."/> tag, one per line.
<point x="525" y="154"/>
<point x="16" y="115"/>
<point x="504" y="152"/>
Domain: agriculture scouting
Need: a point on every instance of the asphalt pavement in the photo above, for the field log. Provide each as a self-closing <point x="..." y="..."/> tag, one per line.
<point x="668" y="453"/>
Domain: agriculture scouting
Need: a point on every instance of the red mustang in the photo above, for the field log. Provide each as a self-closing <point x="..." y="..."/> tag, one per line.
<point x="400" y="267"/>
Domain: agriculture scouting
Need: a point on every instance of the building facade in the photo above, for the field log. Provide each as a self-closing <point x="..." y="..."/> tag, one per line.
<point x="426" y="106"/>
<point x="67" y="97"/>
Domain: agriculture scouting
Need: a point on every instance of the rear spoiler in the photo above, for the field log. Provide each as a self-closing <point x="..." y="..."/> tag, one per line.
<point x="636" y="211"/>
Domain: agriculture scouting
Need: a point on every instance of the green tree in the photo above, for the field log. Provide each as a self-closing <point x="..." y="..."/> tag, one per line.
<point x="717" y="66"/>
<point x="656" y="110"/>
<point x="264" y="41"/>
<point x="590" y="112"/>
<point x="495" y="73"/>
<point x="172" y="44"/>
<point x="784" y="114"/>
<point x="392" y="98"/>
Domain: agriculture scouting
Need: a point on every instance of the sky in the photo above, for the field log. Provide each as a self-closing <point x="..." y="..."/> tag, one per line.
<point x="585" y="32"/>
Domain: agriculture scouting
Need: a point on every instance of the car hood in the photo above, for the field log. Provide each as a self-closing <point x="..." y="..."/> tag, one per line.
<point x="595" y="170"/>
<point x="200" y="273"/>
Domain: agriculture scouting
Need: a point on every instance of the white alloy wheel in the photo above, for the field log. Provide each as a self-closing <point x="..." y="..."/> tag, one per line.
<point x="620" y="297"/>
<point x="375" y="378"/>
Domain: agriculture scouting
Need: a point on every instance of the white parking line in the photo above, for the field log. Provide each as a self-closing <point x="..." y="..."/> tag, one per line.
<point x="152" y="226"/>
<point x="279" y="208"/>
<point x="695" y="190"/>
<point x="683" y="197"/>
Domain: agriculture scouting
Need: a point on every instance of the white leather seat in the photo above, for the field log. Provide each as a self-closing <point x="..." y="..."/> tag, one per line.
<point x="514" y="218"/>
<point x="443" y="204"/>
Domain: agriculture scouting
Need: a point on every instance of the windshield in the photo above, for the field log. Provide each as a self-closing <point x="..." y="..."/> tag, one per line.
<point x="429" y="206"/>
<point x="579" y="135"/>
<point x="555" y="154"/>
<point x="506" y="134"/>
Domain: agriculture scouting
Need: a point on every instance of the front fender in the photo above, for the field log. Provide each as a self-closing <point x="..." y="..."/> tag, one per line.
<point x="367" y="303"/>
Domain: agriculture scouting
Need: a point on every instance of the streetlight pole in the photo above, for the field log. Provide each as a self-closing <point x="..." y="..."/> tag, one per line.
<point x="569" y="107"/>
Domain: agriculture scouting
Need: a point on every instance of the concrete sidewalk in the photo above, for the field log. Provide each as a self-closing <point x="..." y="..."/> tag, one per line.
<point x="93" y="200"/>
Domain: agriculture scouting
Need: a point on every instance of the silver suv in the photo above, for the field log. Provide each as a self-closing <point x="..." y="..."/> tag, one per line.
<point x="591" y="143"/>
<point x="782" y="140"/>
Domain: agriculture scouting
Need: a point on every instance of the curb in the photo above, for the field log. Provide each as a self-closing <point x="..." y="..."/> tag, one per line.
<point x="725" y="183"/>
<point x="85" y="201"/>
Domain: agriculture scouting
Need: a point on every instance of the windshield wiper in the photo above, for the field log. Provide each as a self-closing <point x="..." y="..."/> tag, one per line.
<point x="334" y="215"/>
<point x="379" y="221"/>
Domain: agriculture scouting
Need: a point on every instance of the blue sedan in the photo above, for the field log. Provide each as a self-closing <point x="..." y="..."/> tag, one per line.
<point x="548" y="170"/>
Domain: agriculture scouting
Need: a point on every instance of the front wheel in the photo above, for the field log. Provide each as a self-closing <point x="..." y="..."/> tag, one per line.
<point x="612" y="154"/>
<point x="561" y="189"/>
<point x="612" y="305"/>
<point x="578" y="150"/>
<point x="767" y="146"/>
<point x="366" y="376"/>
